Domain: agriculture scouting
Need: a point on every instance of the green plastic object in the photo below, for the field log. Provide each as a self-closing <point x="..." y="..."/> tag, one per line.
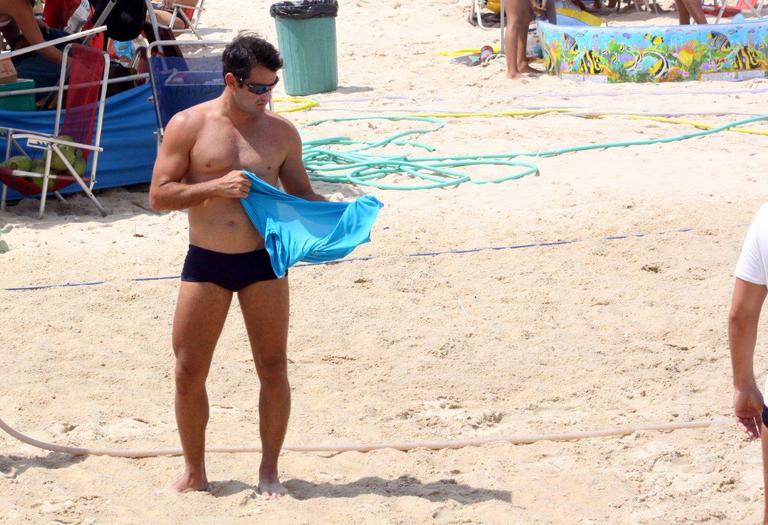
<point x="18" y="102"/>
<point x="308" y="49"/>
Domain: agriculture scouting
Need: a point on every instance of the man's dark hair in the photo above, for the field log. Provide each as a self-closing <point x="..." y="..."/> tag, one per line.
<point x="248" y="50"/>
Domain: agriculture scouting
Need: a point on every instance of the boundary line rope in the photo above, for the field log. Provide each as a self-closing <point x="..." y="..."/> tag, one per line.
<point x="338" y="448"/>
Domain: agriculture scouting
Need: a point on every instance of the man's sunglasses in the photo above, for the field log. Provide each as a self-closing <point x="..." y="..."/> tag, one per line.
<point x="259" y="89"/>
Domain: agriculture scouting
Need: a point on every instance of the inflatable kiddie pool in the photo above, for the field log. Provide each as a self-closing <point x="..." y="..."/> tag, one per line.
<point x="737" y="51"/>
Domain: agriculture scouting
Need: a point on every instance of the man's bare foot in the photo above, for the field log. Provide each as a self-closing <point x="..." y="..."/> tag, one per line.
<point x="515" y="76"/>
<point x="528" y="70"/>
<point x="186" y="483"/>
<point x="270" y="487"/>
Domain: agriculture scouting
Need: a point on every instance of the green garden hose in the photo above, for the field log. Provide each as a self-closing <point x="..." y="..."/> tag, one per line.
<point x="358" y="165"/>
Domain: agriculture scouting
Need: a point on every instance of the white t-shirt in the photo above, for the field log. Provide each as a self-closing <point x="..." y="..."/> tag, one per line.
<point x="753" y="261"/>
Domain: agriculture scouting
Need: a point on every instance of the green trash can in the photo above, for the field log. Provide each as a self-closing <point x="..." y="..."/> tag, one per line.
<point x="306" y="37"/>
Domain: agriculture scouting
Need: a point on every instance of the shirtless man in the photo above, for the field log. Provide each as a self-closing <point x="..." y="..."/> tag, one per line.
<point x="199" y="167"/>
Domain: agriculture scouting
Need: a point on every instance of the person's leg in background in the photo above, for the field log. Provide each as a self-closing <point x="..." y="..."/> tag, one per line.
<point x="519" y="14"/>
<point x="687" y="9"/>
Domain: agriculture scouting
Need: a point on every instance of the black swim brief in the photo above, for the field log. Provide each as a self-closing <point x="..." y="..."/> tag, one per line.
<point x="233" y="271"/>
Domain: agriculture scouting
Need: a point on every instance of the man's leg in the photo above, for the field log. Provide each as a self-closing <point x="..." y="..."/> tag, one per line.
<point x="200" y="314"/>
<point x="764" y="443"/>
<point x="265" y="310"/>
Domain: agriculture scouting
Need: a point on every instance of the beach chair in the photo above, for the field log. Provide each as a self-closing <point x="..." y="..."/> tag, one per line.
<point x="124" y="19"/>
<point x="188" y="12"/>
<point x="128" y="19"/>
<point x="73" y="131"/>
<point x="184" y="79"/>
<point x="746" y="7"/>
<point x="476" y="14"/>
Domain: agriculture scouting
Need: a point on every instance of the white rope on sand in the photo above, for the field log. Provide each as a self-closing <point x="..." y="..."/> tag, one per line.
<point x="407" y="445"/>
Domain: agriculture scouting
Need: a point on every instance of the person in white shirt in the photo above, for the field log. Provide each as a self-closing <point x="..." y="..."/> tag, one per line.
<point x="749" y="293"/>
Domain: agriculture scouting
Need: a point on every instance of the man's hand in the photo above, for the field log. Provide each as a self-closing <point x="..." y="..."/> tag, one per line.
<point x="748" y="407"/>
<point x="233" y="185"/>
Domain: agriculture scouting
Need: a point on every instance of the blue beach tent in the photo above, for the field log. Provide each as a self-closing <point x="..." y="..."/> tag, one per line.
<point x="128" y="138"/>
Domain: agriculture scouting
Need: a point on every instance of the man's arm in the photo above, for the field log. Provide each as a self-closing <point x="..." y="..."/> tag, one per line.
<point x="27" y="23"/>
<point x="743" y="320"/>
<point x="167" y="191"/>
<point x="293" y="175"/>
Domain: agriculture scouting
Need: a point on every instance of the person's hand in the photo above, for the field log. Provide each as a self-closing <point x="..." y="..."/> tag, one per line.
<point x="539" y="8"/>
<point x="167" y="4"/>
<point x="748" y="408"/>
<point x="233" y="185"/>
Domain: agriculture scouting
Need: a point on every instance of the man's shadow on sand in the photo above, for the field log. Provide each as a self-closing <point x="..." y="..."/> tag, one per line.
<point x="11" y="467"/>
<point x="441" y="490"/>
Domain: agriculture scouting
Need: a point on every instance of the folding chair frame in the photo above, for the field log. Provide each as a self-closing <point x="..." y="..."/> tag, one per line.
<point x="502" y="25"/>
<point x="191" y="23"/>
<point x="153" y="19"/>
<point x="102" y="17"/>
<point x="88" y="33"/>
<point x="155" y="94"/>
<point x="111" y="5"/>
<point x="477" y="6"/>
<point x="756" y="11"/>
<point x="51" y="144"/>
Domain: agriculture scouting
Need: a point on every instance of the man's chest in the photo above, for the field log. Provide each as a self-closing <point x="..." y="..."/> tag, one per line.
<point x="218" y="152"/>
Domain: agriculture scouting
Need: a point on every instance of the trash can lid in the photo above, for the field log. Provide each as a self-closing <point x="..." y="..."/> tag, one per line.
<point x="304" y="9"/>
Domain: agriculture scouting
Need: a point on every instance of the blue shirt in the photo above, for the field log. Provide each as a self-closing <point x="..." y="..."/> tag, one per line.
<point x="313" y="231"/>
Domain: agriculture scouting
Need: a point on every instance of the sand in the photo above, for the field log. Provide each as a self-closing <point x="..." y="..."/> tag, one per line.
<point x="592" y="334"/>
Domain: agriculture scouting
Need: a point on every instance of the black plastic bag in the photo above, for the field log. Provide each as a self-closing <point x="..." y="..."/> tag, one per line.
<point x="306" y="9"/>
<point x="126" y="19"/>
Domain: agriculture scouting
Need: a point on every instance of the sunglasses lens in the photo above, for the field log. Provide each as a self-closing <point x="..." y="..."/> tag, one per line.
<point x="259" y="89"/>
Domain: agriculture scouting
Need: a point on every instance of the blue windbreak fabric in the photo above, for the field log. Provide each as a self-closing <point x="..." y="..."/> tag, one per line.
<point x="127" y="136"/>
<point x="298" y="230"/>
